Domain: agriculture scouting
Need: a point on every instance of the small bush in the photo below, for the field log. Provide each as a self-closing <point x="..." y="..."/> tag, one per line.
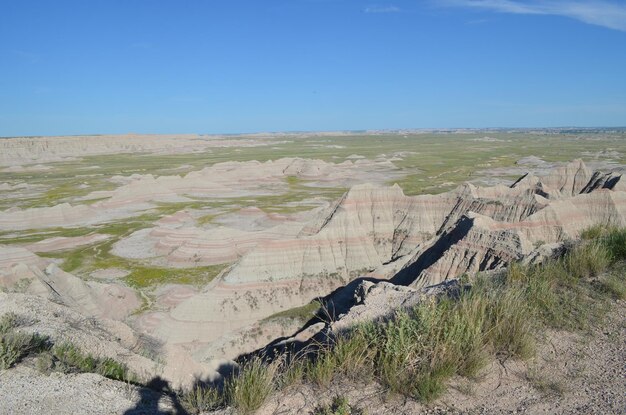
<point x="15" y="346"/>
<point x="249" y="389"/>
<point x="293" y="373"/>
<point x="8" y="322"/>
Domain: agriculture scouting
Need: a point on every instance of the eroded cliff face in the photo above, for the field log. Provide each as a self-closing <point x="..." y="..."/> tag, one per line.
<point x="379" y="231"/>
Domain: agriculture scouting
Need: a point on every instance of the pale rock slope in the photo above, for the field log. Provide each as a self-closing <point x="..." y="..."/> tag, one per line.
<point x="35" y="275"/>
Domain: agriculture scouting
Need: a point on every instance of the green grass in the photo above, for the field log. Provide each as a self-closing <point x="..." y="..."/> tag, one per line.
<point x="251" y="386"/>
<point x="143" y="277"/>
<point x="434" y="159"/>
<point x="84" y="260"/>
<point x="206" y="219"/>
<point x="567" y="293"/>
<point x="302" y="314"/>
<point x="613" y="286"/>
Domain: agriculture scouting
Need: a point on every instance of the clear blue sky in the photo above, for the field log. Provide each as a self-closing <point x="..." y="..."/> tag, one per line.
<point x="226" y="66"/>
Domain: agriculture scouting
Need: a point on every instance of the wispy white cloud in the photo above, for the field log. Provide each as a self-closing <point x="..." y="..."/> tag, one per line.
<point x="381" y="9"/>
<point x="597" y="12"/>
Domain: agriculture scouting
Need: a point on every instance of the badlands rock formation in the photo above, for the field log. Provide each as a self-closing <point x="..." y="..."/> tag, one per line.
<point x="378" y="232"/>
<point x="281" y="261"/>
<point x="221" y="180"/>
<point x="28" y="150"/>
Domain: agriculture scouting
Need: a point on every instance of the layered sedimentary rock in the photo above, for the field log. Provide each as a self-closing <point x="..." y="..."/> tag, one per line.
<point x="221" y="180"/>
<point x="184" y="244"/>
<point x="281" y="261"/>
<point x="379" y="232"/>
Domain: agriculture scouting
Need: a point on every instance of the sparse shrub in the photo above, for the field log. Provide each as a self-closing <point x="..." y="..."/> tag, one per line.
<point x="8" y="322"/>
<point x="112" y="369"/>
<point x="45" y="362"/>
<point x="15" y="346"/>
<point x="249" y="389"/>
<point x="545" y="384"/>
<point x="12" y="348"/>
<point x="68" y="358"/>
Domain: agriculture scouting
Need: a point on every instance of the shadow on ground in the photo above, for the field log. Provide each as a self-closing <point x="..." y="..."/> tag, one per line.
<point x="151" y="394"/>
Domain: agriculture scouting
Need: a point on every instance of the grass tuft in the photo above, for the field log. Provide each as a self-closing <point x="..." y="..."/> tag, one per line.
<point x="250" y="388"/>
<point x="202" y="399"/>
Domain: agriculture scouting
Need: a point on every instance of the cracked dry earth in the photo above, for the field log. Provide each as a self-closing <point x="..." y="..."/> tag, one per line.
<point x="572" y="373"/>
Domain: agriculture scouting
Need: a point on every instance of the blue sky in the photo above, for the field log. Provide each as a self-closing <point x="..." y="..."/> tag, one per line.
<point x="85" y="67"/>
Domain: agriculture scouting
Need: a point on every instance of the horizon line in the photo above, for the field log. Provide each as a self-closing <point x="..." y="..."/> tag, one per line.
<point x="352" y="131"/>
